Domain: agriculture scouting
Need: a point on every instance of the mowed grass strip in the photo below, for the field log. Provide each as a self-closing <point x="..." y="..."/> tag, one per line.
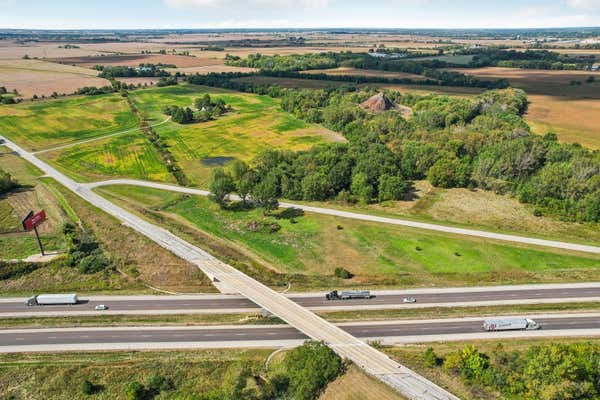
<point x="43" y="124"/>
<point x="375" y="253"/>
<point x="129" y="155"/>
<point x="255" y="124"/>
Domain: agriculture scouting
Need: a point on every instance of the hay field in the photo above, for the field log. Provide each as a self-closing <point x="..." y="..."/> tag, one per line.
<point x="42" y="124"/>
<point x="255" y="124"/>
<point x="130" y="155"/>
<point x="31" y="77"/>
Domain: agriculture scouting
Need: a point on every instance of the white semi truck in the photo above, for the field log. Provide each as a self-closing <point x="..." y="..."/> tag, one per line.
<point x="52" y="299"/>
<point x="510" y="324"/>
<point x="348" y="295"/>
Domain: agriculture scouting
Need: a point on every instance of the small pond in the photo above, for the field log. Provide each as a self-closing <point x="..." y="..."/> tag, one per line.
<point x="216" y="161"/>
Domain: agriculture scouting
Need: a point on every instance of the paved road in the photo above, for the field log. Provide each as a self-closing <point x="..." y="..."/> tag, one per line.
<point x="402" y="379"/>
<point x="315" y="302"/>
<point x="373" y="218"/>
<point x="242" y="334"/>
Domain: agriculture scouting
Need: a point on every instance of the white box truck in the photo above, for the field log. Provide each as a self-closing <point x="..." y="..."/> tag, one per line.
<point x="510" y="324"/>
<point x="52" y="299"/>
<point x="348" y="295"/>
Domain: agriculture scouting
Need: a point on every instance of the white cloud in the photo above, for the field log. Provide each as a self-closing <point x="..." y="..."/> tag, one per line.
<point x="584" y="4"/>
<point x="186" y="4"/>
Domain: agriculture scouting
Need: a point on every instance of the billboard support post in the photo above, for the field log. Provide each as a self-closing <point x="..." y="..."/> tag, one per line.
<point x="37" y="236"/>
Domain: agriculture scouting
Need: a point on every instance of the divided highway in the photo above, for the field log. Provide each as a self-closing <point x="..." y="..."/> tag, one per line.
<point x="374" y="362"/>
<point x="314" y="301"/>
<point x="279" y="335"/>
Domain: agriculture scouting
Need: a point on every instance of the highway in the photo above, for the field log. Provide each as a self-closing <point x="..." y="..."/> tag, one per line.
<point x="314" y="301"/>
<point x="373" y="218"/>
<point x="232" y="336"/>
<point x="374" y="362"/>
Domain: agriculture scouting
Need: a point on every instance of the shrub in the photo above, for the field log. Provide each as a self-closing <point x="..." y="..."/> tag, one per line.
<point x="135" y="391"/>
<point x="343" y="273"/>
<point x="89" y="388"/>
<point x="431" y="359"/>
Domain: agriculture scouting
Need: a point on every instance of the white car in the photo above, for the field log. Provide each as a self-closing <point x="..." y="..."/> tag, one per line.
<point x="409" y="300"/>
<point x="101" y="307"/>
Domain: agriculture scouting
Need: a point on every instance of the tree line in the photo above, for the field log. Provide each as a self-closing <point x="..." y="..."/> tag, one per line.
<point x="142" y="71"/>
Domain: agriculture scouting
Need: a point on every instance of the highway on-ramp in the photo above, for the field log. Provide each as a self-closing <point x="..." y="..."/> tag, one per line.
<point x="277" y="335"/>
<point x="374" y="362"/>
<point x="182" y="304"/>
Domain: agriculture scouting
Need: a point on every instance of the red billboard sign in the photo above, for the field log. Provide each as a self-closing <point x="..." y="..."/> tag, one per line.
<point x="33" y="220"/>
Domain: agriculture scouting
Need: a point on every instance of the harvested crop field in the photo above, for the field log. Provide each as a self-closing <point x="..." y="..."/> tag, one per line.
<point x="133" y="60"/>
<point x="42" y="78"/>
<point x="344" y="71"/>
<point x="212" y="68"/>
<point x="576" y="120"/>
<point x="12" y="51"/>
<point x="545" y="82"/>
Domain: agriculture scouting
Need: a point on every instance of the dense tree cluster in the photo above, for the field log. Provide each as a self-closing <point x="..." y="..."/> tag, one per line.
<point x="454" y="142"/>
<point x="551" y="371"/>
<point x="142" y="71"/>
<point x="206" y="108"/>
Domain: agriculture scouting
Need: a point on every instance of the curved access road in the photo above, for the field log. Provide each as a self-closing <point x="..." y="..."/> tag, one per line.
<point x="392" y="332"/>
<point x="373" y="218"/>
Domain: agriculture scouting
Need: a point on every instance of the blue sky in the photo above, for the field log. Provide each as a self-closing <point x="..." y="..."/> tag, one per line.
<point x="76" y="14"/>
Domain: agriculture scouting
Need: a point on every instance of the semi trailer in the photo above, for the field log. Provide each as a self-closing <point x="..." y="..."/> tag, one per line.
<point x="348" y="295"/>
<point x="52" y="299"/>
<point x="510" y="324"/>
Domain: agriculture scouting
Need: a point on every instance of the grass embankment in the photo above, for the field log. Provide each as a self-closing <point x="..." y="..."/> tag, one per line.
<point x="356" y="385"/>
<point x="60" y="376"/>
<point x="312" y="246"/>
<point x="43" y="124"/>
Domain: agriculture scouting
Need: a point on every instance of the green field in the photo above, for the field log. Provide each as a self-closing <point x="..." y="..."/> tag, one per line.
<point x="314" y="245"/>
<point x="43" y="124"/>
<point x="130" y="155"/>
<point x="255" y="124"/>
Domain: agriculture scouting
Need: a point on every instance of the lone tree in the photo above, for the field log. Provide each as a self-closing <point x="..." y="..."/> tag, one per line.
<point x="266" y="193"/>
<point x="221" y="185"/>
